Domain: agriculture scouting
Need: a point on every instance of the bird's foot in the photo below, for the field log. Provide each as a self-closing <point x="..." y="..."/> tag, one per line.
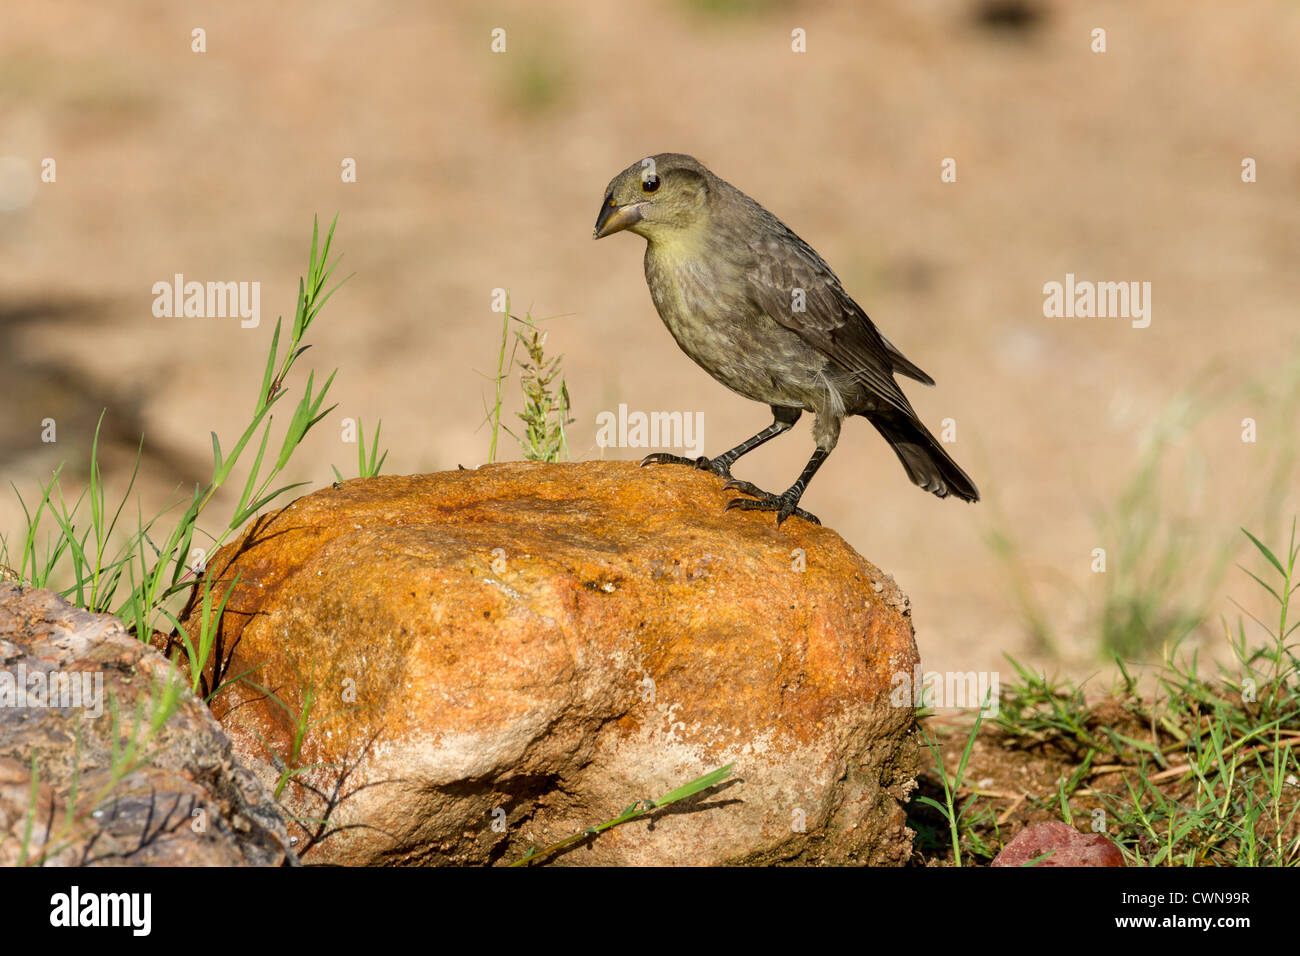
<point x="719" y="466"/>
<point x="784" y="505"/>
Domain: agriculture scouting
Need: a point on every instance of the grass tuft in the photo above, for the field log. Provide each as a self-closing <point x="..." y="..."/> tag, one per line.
<point x="139" y="579"/>
<point x="1204" y="771"/>
<point x="545" y="393"/>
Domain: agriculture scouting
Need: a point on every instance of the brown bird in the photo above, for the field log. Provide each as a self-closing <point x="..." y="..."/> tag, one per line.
<point x="754" y="306"/>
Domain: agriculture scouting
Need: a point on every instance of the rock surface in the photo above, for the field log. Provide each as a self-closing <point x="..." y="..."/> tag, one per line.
<point x="1060" y="845"/>
<point x="496" y="659"/>
<point x="187" y="802"/>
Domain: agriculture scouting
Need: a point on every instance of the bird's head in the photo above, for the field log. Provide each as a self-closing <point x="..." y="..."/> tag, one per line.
<point x="655" y="197"/>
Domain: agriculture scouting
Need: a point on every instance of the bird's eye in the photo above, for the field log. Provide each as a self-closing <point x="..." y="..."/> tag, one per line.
<point x="650" y="183"/>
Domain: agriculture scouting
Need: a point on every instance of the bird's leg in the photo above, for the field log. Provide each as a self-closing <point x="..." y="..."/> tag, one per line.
<point x="721" y="466"/>
<point x="785" y="504"/>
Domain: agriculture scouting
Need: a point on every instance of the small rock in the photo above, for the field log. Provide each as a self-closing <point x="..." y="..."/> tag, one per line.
<point x="1066" y="846"/>
<point x="183" y="806"/>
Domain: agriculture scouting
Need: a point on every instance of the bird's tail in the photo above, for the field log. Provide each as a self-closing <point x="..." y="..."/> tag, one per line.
<point x="923" y="458"/>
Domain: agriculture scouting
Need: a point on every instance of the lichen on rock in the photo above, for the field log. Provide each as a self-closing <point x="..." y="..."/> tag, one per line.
<point x="494" y="659"/>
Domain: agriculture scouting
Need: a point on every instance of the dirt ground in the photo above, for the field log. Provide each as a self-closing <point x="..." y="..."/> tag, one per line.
<point x="479" y="170"/>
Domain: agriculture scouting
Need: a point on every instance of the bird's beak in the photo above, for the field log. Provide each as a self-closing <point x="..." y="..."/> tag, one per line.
<point x="615" y="218"/>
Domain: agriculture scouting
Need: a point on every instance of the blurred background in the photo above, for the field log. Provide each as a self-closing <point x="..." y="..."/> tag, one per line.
<point x="478" y="170"/>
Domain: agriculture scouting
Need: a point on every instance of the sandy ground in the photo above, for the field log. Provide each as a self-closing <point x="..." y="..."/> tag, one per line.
<point x="481" y="170"/>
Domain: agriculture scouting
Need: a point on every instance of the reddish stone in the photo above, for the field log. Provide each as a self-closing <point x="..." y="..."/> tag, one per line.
<point x="1064" y="846"/>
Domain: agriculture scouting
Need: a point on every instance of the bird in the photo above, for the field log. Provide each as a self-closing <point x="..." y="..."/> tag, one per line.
<point x="759" y="310"/>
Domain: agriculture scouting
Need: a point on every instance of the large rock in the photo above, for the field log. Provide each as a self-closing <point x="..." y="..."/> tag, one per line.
<point x="494" y="659"/>
<point x="183" y="801"/>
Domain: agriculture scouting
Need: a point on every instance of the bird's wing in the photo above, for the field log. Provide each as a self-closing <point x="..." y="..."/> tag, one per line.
<point x="831" y="322"/>
<point x="902" y="364"/>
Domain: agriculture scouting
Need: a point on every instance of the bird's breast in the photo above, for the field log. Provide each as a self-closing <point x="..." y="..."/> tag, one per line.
<point x="704" y="302"/>
<point x="691" y="294"/>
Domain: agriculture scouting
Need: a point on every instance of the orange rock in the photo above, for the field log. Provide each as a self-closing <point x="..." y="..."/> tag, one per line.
<point x="500" y="658"/>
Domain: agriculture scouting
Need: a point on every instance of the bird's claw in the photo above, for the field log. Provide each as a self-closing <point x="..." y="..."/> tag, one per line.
<point x="784" y="505"/>
<point x="716" y="465"/>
